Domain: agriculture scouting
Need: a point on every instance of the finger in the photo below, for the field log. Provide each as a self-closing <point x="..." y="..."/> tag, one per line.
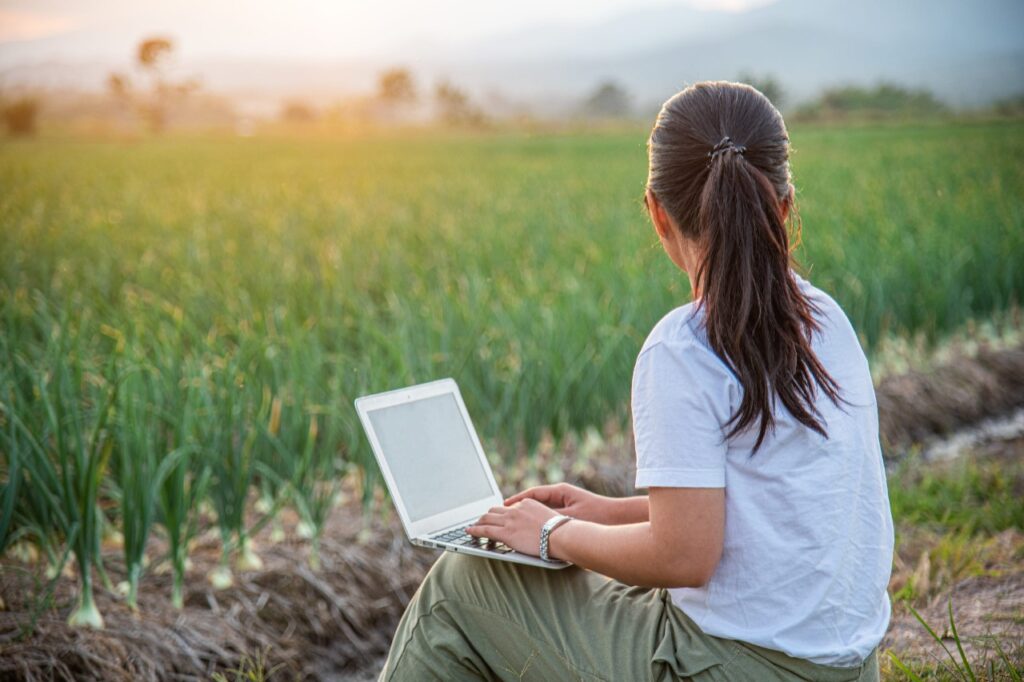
<point x="518" y="496"/>
<point x="533" y="502"/>
<point x="541" y="493"/>
<point x="533" y="492"/>
<point x="491" y="519"/>
<point x="486" y="531"/>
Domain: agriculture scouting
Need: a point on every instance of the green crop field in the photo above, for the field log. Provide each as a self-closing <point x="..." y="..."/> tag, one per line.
<point x="185" y="321"/>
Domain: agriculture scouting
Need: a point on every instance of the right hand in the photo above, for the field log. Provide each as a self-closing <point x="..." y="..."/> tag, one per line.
<point x="570" y="500"/>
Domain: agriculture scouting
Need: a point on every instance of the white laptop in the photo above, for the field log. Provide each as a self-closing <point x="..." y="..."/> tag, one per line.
<point x="435" y="469"/>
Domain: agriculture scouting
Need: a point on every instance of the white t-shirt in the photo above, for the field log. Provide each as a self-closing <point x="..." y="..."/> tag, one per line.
<point x="808" y="530"/>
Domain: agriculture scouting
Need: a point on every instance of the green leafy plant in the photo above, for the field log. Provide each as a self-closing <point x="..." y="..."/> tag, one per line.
<point x="135" y="465"/>
<point x="67" y="449"/>
<point x="311" y="271"/>
<point x="229" y="442"/>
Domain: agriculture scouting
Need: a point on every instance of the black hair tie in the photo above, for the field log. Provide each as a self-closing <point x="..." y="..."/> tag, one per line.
<point x="724" y="145"/>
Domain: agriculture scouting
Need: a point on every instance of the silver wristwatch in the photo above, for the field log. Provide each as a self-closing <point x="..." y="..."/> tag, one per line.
<point x="549" y="525"/>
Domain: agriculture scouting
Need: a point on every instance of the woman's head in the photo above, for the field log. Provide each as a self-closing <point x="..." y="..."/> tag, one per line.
<point x="710" y="128"/>
<point x="719" y="171"/>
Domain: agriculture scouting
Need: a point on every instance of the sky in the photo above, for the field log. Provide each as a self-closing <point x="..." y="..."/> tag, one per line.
<point x="290" y="28"/>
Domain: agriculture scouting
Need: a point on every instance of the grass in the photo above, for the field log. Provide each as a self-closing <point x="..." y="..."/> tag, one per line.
<point x="958" y="523"/>
<point x="955" y="520"/>
<point x="960" y="667"/>
<point x="239" y="293"/>
<point x="968" y="495"/>
<point x="1002" y="661"/>
<point x="251" y="669"/>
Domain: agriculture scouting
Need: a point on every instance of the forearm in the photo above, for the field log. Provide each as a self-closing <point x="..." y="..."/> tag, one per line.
<point x="622" y="510"/>
<point x="628" y="553"/>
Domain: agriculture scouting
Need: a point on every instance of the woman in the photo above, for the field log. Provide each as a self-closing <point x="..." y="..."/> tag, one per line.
<point x="764" y="547"/>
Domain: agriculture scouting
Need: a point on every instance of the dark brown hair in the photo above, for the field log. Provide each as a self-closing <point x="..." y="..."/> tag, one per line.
<point x="719" y="165"/>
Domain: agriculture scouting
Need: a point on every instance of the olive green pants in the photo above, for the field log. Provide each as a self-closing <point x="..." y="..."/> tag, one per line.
<point x="474" y="618"/>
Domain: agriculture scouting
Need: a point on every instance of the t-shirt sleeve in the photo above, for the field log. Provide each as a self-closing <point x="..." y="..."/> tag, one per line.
<point x="680" y="402"/>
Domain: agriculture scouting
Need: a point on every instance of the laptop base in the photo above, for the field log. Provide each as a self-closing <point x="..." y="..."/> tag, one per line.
<point x="504" y="554"/>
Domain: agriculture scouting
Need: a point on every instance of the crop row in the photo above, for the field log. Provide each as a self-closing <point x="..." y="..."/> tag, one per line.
<point x="185" y="323"/>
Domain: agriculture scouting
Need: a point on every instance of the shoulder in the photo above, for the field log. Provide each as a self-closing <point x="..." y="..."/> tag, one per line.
<point x="674" y="325"/>
<point x="675" y="364"/>
<point x="680" y="336"/>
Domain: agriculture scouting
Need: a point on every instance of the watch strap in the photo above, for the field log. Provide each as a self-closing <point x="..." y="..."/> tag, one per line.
<point x="545" y="532"/>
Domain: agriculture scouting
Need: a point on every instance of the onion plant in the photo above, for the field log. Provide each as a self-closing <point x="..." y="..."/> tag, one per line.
<point x="232" y="411"/>
<point x="300" y="458"/>
<point x="312" y="484"/>
<point x="139" y="471"/>
<point x="182" y="485"/>
<point x="68" y="448"/>
<point x="8" y="488"/>
<point x="183" y="481"/>
<point x="10" y="452"/>
<point x="317" y="483"/>
<point x="13" y="444"/>
<point x="38" y="515"/>
<point x="336" y="271"/>
<point x="83" y="449"/>
<point x="275" y="470"/>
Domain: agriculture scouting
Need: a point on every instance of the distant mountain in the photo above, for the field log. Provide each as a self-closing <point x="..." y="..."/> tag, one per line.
<point x="967" y="52"/>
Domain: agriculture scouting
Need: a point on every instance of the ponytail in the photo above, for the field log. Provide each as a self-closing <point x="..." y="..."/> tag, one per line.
<point x="757" y="319"/>
<point x="731" y="198"/>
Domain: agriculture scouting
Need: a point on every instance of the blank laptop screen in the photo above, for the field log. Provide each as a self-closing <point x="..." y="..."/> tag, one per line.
<point x="431" y="455"/>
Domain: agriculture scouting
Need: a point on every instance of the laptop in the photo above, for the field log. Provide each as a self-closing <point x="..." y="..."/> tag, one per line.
<point x="436" y="471"/>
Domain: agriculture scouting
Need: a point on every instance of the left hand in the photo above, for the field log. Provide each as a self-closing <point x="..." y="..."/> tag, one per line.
<point x="517" y="525"/>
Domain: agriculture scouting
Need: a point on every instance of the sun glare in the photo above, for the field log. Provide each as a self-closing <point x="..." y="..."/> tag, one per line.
<point x="17" y="25"/>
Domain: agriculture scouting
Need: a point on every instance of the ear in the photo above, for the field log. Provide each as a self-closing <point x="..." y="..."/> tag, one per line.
<point x="662" y="224"/>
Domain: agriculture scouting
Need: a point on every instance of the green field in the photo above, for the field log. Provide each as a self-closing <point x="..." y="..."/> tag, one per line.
<point x="203" y="311"/>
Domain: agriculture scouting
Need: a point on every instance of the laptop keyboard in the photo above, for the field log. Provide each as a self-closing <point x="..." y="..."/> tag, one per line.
<point x="459" y="536"/>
